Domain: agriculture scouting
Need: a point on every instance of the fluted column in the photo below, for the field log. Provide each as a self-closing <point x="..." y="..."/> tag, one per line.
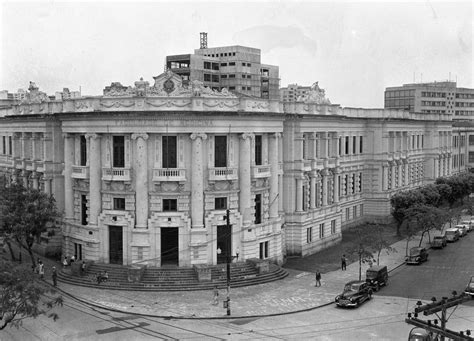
<point x="244" y="178"/>
<point x="141" y="180"/>
<point x="273" y="159"/>
<point x="197" y="185"/>
<point x="95" y="176"/>
<point x="68" y="161"/>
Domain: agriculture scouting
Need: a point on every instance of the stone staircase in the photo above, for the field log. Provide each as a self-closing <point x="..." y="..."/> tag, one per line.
<point x="173" y="279"/>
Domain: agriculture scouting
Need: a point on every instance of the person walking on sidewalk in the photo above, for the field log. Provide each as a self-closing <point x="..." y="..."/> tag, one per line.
<point x="318" y="278"/>
<point x="55" y="276"/>
<point x="343" y="262"/>
<point x="41" y="269"/>
<point x="216" y="296"/>
<point x="65" y="263"/>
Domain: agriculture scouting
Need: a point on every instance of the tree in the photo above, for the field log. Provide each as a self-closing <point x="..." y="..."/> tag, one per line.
<point x="431" y="194"/>
<point x="401" y="202"/>
<point x="362" y="247"/>
<point x="427" y="218"/>
<point x="379" y="243"/>
<point x="22" y="296"/>
<point x="26" y="214"/>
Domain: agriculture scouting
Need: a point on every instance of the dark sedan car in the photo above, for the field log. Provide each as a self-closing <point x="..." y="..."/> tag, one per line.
<point x="417" y="255"/>
<point x="355" y="293"/>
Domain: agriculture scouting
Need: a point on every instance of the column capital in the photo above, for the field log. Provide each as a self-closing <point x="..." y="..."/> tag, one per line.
<point x="67" y="135"/>
<point x="93" y="136"/>
<point x="47" y="136"/>
<point x="36" y="135"/>
<point x="143" y="136"/>
<point x="195" y="136"/>
<point x="245" y="136"/>
<point x="276" y="135"/>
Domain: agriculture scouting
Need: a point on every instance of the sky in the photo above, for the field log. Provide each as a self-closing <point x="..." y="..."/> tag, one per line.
<point x="353" y="49"/>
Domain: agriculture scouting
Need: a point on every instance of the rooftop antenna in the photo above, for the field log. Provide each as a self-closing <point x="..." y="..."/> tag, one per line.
<point x="203" y="36"/>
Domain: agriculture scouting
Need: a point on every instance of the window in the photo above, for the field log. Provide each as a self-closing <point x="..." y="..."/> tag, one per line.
<point x="309" y="235"/>
<point x="231" y="76"/>
<point x="360" y="144"/>
<point x="83" y="209"/>
<point x="170" y="205"/>
<point x="258" y="150"/>
<point x="119" y="151"/>
<point x="223" y="64"/>
<point x="347" y="146"/>
<point x="10" y="145"/>
<point x="223" y="76"/>
<point x="207" y="77"/>
<point x="360" y="182"/>
<point x="321" y="231"/>
<point x="249" y="88"/>
<point x="83" y="148"/>
<point x="355" y="212"/>
<point x="249" y="65"/>
<point x="220" y="203"/>
<point x="354" y="145"/>
<point x="471" y="157"/>
<point x="215" y="66"/>
<point x="169" y="152"/>
<point x="353" y="183"/>
<point x="244" y="64"/>
<point x="215" y="78"/>
<point x="4" y="140"/>
<point x="231" y="87"/>
<point x="207" y="65"/>
<point x="361" y="209"/>
<point x="340" y="147"/>
<point x="258" y="209"/>
<point x="264" y="250"/>
<point x="243" y="76"/>
<point x="249" y="76"/>
<point x="348" y="213"/>
<point x="119" y="204"/>
<point x="232" y="63"/>
<point x="220" y="151"/>
<point x="333" y="226"/>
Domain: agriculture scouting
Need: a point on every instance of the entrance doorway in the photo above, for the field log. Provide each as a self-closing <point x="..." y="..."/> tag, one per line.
<point x="169" y="246"/>
<point x="224" y="242"/>
<point x="115" y="245"/>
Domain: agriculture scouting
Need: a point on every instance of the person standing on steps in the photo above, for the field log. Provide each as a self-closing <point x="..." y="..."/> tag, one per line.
<point x="343" y="262"/>
<point x="318" y="278"/>
<point x="55" y="276"/>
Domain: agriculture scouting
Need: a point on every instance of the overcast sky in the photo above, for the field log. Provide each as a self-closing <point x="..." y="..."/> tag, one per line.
<point x="354" y="49"/>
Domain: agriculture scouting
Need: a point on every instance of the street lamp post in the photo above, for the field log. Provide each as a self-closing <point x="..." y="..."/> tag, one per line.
<point x="229" y="259"/>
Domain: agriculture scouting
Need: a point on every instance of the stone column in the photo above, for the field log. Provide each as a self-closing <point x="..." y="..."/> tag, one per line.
<point x="197" y="185"/>
<point x="299" y="195"/>
<point x="393" y="165"/>
<point x="273" y="159"/>
<point x="385" y="176"/>
<point x="244" y="178"/>
<point x="312" y="190"/>
<point x="436" y="167"/>
<point x="24" y="176"/>
<point x="68" y="163"/>
<point x="34" y="177"/>
<point x="34" y="139"/>
<point x="325" y="174"/>
<point x="47" y="146"/>
<point x="47" y="186"/>
<point x="95" y="178"/>
<point x="23" y="146"/>
<point x="336" y="185"/>
<point x="141" y="180"/>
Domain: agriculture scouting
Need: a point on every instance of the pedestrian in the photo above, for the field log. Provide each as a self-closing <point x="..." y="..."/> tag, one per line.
<point x="318" y="278"/>
<point x="83" y="268"/>
<point x="343" y="262"/>
<point x="216" y="296"/>
<point x="72" y="259"/>
<point x="55" y="276"/>
<point x="65" y="262"/>
<point x="41" y="269"/>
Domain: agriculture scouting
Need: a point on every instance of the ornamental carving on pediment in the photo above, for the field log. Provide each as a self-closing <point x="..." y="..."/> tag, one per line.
<point x="33" y="95"/>
<point x="257" y="105"/>
<point x="315" y="95"/>
<point x="117" y="104"/>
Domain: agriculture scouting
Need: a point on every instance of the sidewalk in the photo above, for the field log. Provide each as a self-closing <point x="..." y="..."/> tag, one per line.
<point x="292" y="294"/>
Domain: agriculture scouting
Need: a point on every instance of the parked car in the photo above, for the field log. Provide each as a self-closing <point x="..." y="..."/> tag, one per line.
<point x="355" y="293"/>
<point x="438" y="242"/>
<point x="462" y="229"/>
<point x="470" y="287"/>
<point x="452" y="234"/>
<point x="469" y="224"/>
<point x="417" y="255"/>
<point x="376" y="276"/>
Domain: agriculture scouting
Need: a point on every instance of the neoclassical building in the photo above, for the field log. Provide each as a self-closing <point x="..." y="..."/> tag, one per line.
<point x="146" y="174"/>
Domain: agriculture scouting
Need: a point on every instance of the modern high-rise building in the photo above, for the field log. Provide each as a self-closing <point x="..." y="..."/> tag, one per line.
<point x="236" y="68"/>
<point x="432" y="98"/>
<point x="292" y="92"/>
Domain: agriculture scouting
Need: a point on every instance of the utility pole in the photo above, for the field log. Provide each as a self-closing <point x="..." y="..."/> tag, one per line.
<point x="434" y="308"/>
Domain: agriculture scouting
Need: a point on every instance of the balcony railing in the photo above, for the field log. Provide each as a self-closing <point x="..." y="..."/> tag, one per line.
<point x="116" y="174"/>
<point x="223" y="173"/>
<point x="80" y="172"/>
<point x="261" y="171"/>
<point x="169" y="174"/>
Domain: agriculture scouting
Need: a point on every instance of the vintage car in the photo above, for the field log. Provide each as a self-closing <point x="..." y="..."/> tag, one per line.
<point x="417" y="255"/>
<point x="470" y="287"/>
<point x="355" y="293"/>
<point x="376" y="276"/>
<point x="462" y="229"/>
<point x="438" y="242"/>
<point x="469" y="224"/>
<point x="452" y="234"/>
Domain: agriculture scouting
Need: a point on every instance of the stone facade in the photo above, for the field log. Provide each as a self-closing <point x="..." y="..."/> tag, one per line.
<point x="145" y="174"/>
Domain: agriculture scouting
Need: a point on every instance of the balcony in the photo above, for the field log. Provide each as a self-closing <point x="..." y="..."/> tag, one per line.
<point x="169" y="174"/>
<point x="80" y="172"/>
<point x="261" y="171"/>
<point x="116" y="174"/>
<point x="223" y="173"/>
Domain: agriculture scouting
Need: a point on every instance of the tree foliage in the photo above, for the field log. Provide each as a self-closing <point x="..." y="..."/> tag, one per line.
<point x="363" y="247"/>
<point x="401" y="202"/>
<point x="425" y="218"/>
<point x="27" y="213"/>
<point x="23" y="295"/>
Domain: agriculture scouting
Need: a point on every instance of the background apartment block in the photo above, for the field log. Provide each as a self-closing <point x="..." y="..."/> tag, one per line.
<point x="237" y="68"/>
<point x="292" y="92"/>
<point x="432" y="98"/>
